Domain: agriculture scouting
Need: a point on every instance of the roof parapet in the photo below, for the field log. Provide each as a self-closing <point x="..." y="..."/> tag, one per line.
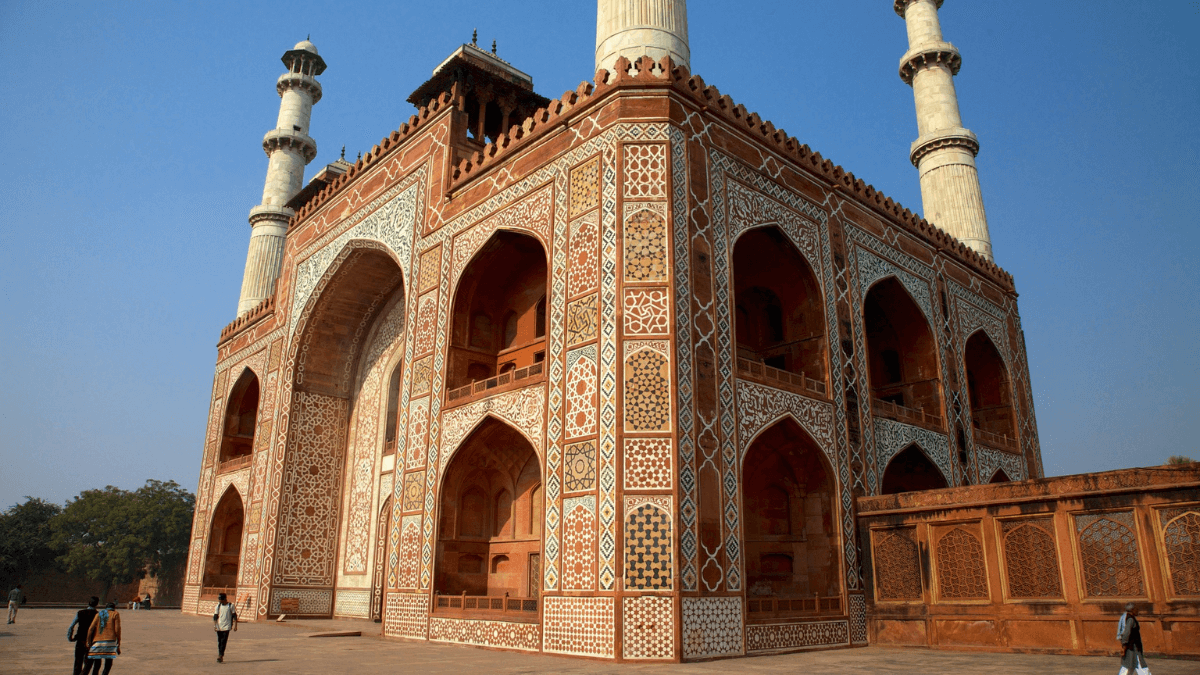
<point x="648" y="72"/>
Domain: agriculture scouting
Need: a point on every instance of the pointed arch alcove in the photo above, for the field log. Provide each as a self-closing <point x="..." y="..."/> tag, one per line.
<point x="498" y="319"/>
<point x="241" y="421"/>
<point x="223" y="558"/>
<point x="325" y="509"/>
<point x="490" y="525"/>
<point x="902" y="361"/>
<point x="790" y="531"/>
<point x="779" y="319"/>
<point x="993" y="418"/>
<point x="911" y="471"/>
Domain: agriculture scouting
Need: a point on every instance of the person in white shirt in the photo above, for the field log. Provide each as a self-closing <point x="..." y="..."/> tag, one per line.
<point x="225" y="619"/>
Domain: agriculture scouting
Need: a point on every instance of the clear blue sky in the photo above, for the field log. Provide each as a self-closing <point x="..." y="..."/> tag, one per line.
<point x="131" y="137"/>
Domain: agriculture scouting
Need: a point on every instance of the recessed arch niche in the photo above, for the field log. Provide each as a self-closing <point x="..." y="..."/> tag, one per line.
<point x="498" y="317"/>
<point x="490" y="508"/>
<point x="779" y="315"/>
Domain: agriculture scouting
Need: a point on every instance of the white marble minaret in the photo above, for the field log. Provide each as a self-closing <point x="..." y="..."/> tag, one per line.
<point x="634" y="28"/>
<point x="290" y="148"/>
<point x="944" y="153"/>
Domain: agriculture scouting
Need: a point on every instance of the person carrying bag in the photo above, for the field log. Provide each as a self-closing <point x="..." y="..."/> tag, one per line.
<point x="1132" y="660"/>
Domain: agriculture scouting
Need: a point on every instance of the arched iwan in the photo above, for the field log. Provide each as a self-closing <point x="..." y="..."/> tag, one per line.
<point x="223" y="557"/>
<point x="791" y="538"/>
<point x="489" y="538"/>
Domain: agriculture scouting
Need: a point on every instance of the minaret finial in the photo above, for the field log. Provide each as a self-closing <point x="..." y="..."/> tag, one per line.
<point x="343" y="153"/>
<point x="944" y="152"/>
<point x="493" y="47"/>
<point x="475" y="38"/>
<point x="622" y="31"/>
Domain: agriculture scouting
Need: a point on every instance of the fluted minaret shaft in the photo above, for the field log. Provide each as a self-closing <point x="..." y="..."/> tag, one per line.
<point x="289" y="148"/>
<point x="635" y="28"/>
<point x="944" y="152"/>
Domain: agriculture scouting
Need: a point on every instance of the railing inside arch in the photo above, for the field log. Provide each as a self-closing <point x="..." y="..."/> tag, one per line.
<point x="213" y="592"/>
<point x="235" y="463"/>
<point x="794" y="606"/>
<point x="800" y="379"/>
<point x="485" y="603"/>
<point x="483" y="386"/>
<point x="1002" y="441"/>
<point x="903" y="414"/>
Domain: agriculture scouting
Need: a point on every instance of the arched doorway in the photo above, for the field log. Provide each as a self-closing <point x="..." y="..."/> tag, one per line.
<point x="791" y="540"/>
<point x="911" y="471"/>
<point x="490" y="509"/>
<point x="779" y="321"/>
<point x="498" y="320"/>
<point x="901" y="357"/>
<point x="327" y="520"/>
<point x="221" y="563"/>
<point x="990" y="394"/>
<point x="241" y="418"/>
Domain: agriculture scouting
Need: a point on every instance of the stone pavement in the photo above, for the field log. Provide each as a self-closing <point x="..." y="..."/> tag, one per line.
<point x="165" y="641"/>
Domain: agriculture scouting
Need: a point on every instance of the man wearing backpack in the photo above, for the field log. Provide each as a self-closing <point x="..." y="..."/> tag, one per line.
<point x="224" y="620"/>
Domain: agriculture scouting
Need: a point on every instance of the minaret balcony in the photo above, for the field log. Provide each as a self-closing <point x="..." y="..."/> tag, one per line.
<point x="957" y="137"/>
<point x="901" y="5"/>
<point x="265" y="212"/>
<point x="290" y="139"/>
<point x="300" y="81"/>
<point x="929" y="54"/>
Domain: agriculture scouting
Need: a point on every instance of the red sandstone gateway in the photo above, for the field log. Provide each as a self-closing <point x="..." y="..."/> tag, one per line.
<point x="607" y="376"/>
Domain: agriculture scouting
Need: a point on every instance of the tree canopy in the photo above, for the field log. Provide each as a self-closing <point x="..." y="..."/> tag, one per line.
<point x="25" y="539"/>
<point x="115" y="536"/>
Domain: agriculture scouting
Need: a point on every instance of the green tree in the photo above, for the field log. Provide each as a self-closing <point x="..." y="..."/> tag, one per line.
<point x="115" y="536"/>
<point x="25" y="539"/>
<point x="1179" y="459"/>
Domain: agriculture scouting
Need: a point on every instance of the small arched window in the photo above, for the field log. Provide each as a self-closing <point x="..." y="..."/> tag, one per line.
<point x="510" y="329"/>
<point x="481" y="331"/>
<point x="393" y="404"/>
<point x="541" y="318"/>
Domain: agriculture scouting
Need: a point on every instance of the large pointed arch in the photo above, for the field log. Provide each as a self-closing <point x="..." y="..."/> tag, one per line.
<point x="989" y="393"/>
<point x="331" y="339"/>
<point x="790" y="533"/>
<point x="779" y="316"/>
<point x="501" y="290"/>
<point x="222" y="559"/>
<point x="902" y="356"/>
<point x="487" y="495"/>
<point x="241" y="419"/>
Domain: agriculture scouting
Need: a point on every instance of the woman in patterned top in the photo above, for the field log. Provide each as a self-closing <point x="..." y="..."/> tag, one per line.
<point x="104" y="636"/>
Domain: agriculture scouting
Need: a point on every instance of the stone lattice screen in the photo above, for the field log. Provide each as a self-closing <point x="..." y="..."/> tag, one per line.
<point x="1037" y="565"/>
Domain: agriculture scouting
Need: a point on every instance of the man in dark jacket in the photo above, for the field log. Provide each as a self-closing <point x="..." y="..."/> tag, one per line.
<point x="1132" y="660"/>
<point x="77" y="633"/>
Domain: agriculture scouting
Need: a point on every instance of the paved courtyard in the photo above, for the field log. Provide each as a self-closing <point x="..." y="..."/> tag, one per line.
<point x="164" y="641"/>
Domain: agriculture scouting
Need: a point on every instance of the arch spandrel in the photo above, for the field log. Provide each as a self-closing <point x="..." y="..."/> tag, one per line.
<point x="389" y="222"/>
<point x="872" y="269"/>
<point x="522" y="409"/>
<point x="761" y="407"/>
<point x="532" y="215"/>
<point x="355" y="288"/>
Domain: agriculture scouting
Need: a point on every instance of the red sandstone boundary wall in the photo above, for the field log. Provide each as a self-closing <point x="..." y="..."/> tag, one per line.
<point x="1044" y="565"/>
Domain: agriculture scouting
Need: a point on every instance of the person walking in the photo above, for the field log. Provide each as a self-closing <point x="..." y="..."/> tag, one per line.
<point x="15" y="597"/>
<point x="224" y="620"/>
<point x="1132" y="660"/>
<point x="104" y="637"/>
<point x="77" y="633"/>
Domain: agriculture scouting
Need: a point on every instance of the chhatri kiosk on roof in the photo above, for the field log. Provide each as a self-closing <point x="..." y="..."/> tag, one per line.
<point x="603" y="375"/>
